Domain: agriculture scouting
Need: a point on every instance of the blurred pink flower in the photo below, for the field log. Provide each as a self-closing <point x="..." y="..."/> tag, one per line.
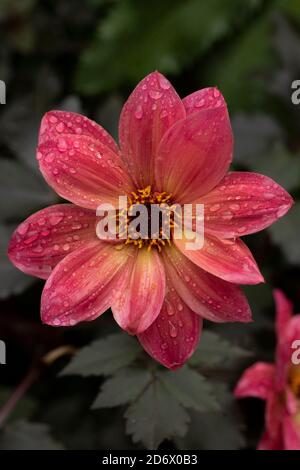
<point x="278" y="384"/>
<point x="168" y="148"/>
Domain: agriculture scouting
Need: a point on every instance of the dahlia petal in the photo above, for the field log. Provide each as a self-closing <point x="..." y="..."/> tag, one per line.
<point x="274" y="414"/>
<point x="291" y="433"/>
<point x="58" y="123"/>
<point x="152" y="108"/>
<point x="47" y="236"/>
<point x="257" y="381"/>
<point x="291" y="401"/>
<point x="268" y="442"/>
<point x="81" y="167"/>
<point x="284" y="311"/>
<point x="207" y="98"/>
<point x="243" y="203"/>
<point x="84" y="284"/>
<point x="140" y="302"/>
<point x="204" y="142"/>
<point x="174" y="335"/>
<point x="228" y="259"/>
<point x="207" y="295"/>
<point x="285" y="350"/>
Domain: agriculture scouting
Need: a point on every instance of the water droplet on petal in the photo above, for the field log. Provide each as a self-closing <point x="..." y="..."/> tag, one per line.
<point x="55" y="219"/>
<point x="214" y="207"/>
<point x="60" y="127"/>
<point x="155" y="94"/>
<point x="23" y="228"/>
<point x="164" y="83"/>
<point x="53" y="119"/>
<point x="139" y="112"/>
<point x="173" y="330"/>
<point x="50" y="157"/>
<point x="62" y="145"/>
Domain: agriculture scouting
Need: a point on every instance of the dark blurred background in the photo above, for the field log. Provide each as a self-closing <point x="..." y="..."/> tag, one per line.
<point x="87" y="57"/>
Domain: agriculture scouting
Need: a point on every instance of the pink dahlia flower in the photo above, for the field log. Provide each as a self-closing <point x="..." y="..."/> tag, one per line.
<point x="169" y="150"/>
<point x="278" y="384"/>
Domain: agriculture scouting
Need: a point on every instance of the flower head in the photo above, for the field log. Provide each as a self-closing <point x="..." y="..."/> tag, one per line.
<point x="171" y="151"/>
<point x="278" y="384"/>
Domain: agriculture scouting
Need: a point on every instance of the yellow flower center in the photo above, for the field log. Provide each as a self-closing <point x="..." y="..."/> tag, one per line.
<point x="147" y="197"/>
<point x="294" y="380"/>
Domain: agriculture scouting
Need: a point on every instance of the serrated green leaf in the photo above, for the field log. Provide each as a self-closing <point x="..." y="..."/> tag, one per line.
<point x="285" y="233"/>
<point x="155" y="416"/>
<point x="23" y="435"/>
<point x="123" y="388"/>
<point x="104" y="356"/>
<point x="191" y="389"/>
<point x="212" y="431"/>
<point x="220" y="430"/>
<point x="13" y="281"/>
<point x="214" y="350"/>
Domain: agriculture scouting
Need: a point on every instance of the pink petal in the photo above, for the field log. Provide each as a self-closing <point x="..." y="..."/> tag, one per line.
<point x="207" y="98"/>
<point x="284" y="311"/>
<point x="285" y="351"/>
<point x="228" y="259"/>
<point x="47" y="236"/>
<point x="210" y="297"/>
<point x="270" y="443"/>
<point x="195" y="154"/>
<point x="84" y="284"/>
<point x="291" y="401"/>
<point x="152" y="108"/>
<point x="291" y="433"/>
<point x="174" y="335"/>
<point x="244" y="203"/>
<point x="58" y="123"/>
<point x="140" y="302"/>
<point x="257" y="381"/>
<point x="274" y="413"/>
<point x="83" y="167"/>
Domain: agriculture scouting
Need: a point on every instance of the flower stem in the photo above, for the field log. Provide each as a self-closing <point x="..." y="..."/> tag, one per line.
<point x="18" y="394"/>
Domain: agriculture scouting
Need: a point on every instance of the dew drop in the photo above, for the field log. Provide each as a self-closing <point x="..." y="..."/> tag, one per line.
<point x="55" y="219"/>
<point x="170" y="309"/>
<point x="139" y="112"/>
<point x="173" y="330"/>
<point x="62" y="145"/>
<point x="52" y="119"/>
<point x="50" y="157"/>
<point x="164" y="113"/>
<point x="164" y="83"/>
<point x="155" y="94"/>
<point x="234" y="207"/>
<point x="23" y="228"/>
<point x="214" y="208"/>
<point x="60" y="127"/>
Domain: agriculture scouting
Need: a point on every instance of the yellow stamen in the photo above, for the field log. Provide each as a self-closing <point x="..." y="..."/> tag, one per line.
<point x="294" y="379"/>
<point x="146" y="196"/>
